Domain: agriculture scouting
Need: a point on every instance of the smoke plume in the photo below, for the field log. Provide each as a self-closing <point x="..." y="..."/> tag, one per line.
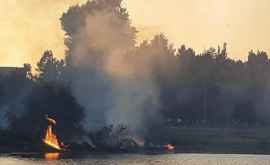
<point x="113" y="87"/>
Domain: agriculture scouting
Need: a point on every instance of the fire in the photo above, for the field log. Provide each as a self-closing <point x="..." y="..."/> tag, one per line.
<point x="169" y="147"/>
<point x="51" y="138"/>
<point x="52" y="156"/>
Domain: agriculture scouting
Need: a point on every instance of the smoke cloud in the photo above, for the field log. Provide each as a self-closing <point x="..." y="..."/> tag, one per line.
<point x="113" y="87"/>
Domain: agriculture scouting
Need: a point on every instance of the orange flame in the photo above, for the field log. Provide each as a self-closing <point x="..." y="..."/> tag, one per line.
<point x="169" y="147"/>
<point x="52" y="156"/>
<point x="51" y="138"/>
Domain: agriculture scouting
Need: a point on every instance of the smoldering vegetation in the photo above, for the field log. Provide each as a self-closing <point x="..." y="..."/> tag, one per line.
<point x="106" y="80"/>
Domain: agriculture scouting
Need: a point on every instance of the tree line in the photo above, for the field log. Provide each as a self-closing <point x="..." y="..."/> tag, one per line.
<point x="207" y="88"/>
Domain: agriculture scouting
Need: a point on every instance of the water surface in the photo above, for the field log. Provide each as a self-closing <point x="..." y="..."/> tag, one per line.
<point x="127" y="159"/>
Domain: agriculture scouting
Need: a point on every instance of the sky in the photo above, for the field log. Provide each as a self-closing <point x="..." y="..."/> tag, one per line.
<point x="29" y="27"/>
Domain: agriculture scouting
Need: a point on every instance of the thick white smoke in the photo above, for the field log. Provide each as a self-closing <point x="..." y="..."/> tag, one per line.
<point x="107" y="81"/>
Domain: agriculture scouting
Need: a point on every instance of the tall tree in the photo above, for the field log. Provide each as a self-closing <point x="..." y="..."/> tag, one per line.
<point x="49" y="68"/>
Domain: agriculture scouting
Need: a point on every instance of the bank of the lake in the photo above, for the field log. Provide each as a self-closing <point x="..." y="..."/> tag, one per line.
<point x="244" y="140"/>
<point x="139" y="159"/>
<point x="186" y="139"/>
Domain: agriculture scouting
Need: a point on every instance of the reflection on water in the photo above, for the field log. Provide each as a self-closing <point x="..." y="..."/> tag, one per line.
<point x="51" y="156"/>
<point x="173" y="159"/>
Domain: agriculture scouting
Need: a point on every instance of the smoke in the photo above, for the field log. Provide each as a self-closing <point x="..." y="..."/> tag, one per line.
<point x="106" y="78"/>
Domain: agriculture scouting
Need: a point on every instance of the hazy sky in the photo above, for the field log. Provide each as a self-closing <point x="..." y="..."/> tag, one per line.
<point x="28" y="27"/>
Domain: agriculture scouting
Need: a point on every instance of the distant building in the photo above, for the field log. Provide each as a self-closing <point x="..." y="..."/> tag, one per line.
<point x="19" y="72"/>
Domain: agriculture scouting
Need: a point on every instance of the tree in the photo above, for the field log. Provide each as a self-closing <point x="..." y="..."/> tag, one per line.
<point x="95" y="30"/>
<point x="54" y="100"/>
<point x="49" y="68"/>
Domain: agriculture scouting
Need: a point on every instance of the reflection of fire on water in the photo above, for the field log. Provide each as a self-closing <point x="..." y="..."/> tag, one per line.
<point x="51" y="138"/>
<point x="169" y="147"/>
<point x="52" y="156"/>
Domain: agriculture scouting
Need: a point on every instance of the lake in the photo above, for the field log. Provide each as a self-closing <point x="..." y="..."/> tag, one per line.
<point x="136" y="159"/>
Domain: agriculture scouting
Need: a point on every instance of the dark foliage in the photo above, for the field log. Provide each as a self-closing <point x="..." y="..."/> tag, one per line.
<point x="194" y="89"/>
<point x="56" y="101"/>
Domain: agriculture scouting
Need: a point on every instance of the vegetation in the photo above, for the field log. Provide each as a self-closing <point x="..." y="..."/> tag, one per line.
<point x="206" y="89"/>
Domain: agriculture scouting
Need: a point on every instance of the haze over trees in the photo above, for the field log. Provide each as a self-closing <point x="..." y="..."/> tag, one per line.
<point x="107" y="79"/>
